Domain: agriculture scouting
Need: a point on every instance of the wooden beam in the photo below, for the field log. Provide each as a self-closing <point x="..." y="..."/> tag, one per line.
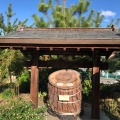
<point x="65" y="52"/>
<point x="67" y="64"/>
<point x="81" y="42"/>
<point x="96" y="85"/>
<point x="34" y="79"/>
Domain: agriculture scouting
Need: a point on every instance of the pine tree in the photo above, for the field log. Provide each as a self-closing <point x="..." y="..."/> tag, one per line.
<point x="87" y="22"/>
<point x="9" y="26"/>
<point x="44" y="7"/>
<point x="97" y="20"/>
<point x="11" y="61"/>
<point x="112" y="22"/>
<point x="58" y="15"/>
<point x="39" y="21"/>
<point x="80" y="9"/>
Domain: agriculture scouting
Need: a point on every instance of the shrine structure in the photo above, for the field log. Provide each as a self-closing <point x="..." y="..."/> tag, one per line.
<point x="94" y="42"/>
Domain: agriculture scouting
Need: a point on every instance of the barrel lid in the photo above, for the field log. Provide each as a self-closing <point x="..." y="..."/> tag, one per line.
<point x="65" y="78"/>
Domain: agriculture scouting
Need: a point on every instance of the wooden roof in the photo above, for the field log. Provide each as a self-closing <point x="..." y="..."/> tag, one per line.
<point x="53" y="38"/>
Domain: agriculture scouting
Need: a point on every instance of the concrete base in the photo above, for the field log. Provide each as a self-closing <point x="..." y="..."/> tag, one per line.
<point x="85" y="116"/>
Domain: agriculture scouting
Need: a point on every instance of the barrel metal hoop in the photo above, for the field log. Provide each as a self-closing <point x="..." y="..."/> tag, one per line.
<point x="74" y="94"/>
<point x="66" y="90"/>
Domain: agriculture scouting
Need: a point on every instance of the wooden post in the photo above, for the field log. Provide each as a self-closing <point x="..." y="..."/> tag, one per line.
<point x="96" y="85"/>
<point x="34" y="79"/>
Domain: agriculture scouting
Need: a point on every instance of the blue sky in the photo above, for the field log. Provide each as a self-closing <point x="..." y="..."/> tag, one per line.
<point x="26" y="8"/>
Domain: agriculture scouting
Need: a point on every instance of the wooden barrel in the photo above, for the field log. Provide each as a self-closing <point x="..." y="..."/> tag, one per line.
<point x="64" y="91"/>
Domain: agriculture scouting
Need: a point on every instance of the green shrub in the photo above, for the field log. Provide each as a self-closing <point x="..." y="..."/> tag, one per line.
<point x="105" y="91"/>
<point x="87" y="90"/>
<point x="110" y="103"/>
<point x="21" y="110"/>
<point x="7" y="94"/>
<point x="24" y="81"/>
<point x="43" y="78"/>
<point x="110" y="106"/>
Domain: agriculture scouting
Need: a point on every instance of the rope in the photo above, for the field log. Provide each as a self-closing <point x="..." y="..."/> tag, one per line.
<point x="69" y="102"/>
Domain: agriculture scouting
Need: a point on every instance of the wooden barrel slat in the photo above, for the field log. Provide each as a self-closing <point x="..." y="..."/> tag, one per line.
<point x="65" y="95"/>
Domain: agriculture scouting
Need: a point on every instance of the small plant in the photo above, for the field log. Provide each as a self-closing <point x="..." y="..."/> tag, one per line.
<point x="21" y="110"/>
<point x="42" y="94"/>
<point x="24" y="81"/>
<point x="87" y="89"/>
<point x="7" y="94"/>
<point x="110" y="106"/>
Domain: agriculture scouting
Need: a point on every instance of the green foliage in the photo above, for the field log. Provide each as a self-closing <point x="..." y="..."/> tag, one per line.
<point x="8" y="90"/>
<point x="114" y="63"/>
<point x="43" y="96"/>
<point x="80" y="9"/>
<point x="7" y="93"/>
<point x="62" y="16"/>
<point x="11" y="62"/>
<point x="112" y="22"/>
<point x="110" y="100"/>
<point x="39" y="22"/>
<point x="44" y="7"/>
<point x="24" y="81"/>
<point x="87" y="89"/>
<point x="107" y="91"/>
<point x="10" y="26"/>
<point x="44" y="73"/>
<point x="86" y="22"/>
<point x="98" y="20"/>
<point x="21" y="110"/>
<point x="111" y="107"/>
<point x="85" y="74"/>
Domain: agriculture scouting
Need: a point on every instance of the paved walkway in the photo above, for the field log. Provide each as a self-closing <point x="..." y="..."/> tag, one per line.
<point x="108" y="80"/>
<point x="85" y="116"/>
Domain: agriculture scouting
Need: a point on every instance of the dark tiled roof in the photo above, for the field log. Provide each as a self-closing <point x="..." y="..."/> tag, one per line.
<point x="91" y="33"/>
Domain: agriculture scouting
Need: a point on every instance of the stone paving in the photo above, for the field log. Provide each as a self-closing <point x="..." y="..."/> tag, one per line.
<point x="85" y="116"/>
<point x="108" y="80"/>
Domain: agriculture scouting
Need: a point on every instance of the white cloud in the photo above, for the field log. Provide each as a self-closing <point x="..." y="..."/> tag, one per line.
<point x="106" y="20"/>
<point x="108" y="13"/>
